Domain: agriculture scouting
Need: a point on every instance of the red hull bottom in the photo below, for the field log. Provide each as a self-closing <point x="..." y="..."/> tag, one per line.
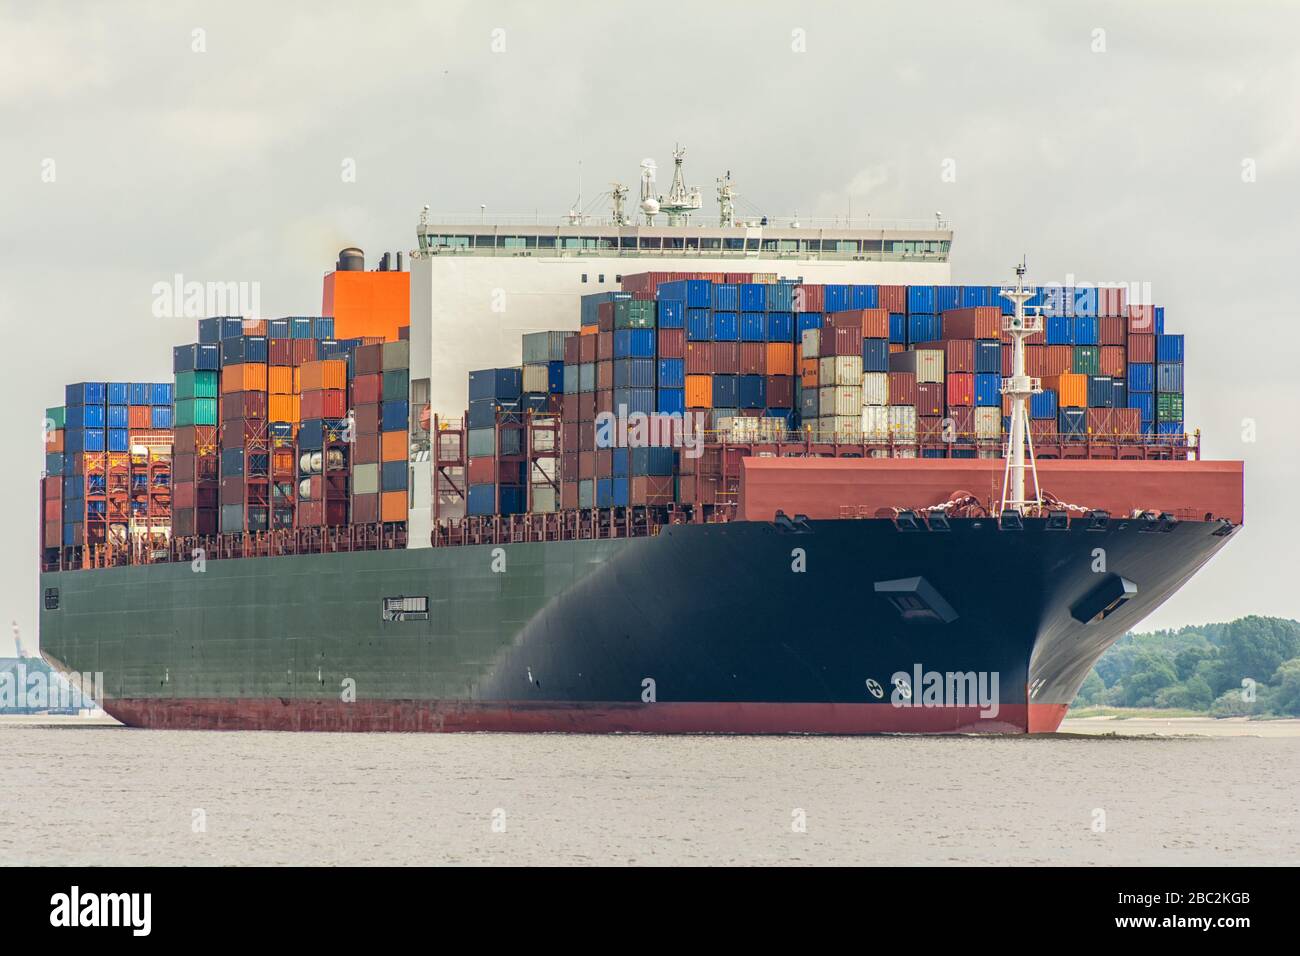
<point x="585" y="718"/>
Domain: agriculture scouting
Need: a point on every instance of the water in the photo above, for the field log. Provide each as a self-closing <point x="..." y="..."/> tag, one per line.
<point x="78" y="794"/>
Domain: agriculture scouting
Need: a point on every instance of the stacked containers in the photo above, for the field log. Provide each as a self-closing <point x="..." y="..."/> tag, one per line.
<point x="323" y="451"/>
<point x="245" y="453"/>
<point x="395" y="432"/>
<point x="497" y="465"/>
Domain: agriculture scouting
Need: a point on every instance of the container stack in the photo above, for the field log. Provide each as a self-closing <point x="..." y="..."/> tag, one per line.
<point x="381" y="418"/>
<point x="323" y="447"/>
<point x="245" y="491"/>
<point x="540" y="400"/>
<point x="497" y="464"/>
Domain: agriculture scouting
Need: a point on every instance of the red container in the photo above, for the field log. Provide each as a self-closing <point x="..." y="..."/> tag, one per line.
<point x="672" y="343"/>
<point x="279" y="352"/>
<point x="961" y="389"/>
<point x="569" y="495"/>
<point x="1142" y="348"/>
<point x="753" y="358"/>
<point x="569" y="437"/>
<point x="604" y="462"/>
<point x="366" y="449"/>
<point x="699" y="358"/>
<point x="324" y="403"/>
<point x="1042" y="429"/>
<point x="587" y="347"/>
<point x="1112" y="360"/>
<point x="1111" y="331"/>
<point x="958" y="354"/>
<point x="780" y="391"/>
<point x="902" y="388"/>
<point x="1057" y="360"/>
<point x="587" y="464"/>
<point x="314" y="514"/>
<point x="1141" y="319"/>
<point x="726" y="358"/>
<point x="1101" y="421"/>
<point x="232" y="489"/>
<point x="929" y="399"/>
<point x="236" y="432"/>
<point x="569" y="408"/>
<point x="874" y="323"/>
<point x="980" y="322"/>
<point x="587" y="407"/>
<point x="366" y="389"/>
<point x="571" y="351"/>
<point x="650" y="490"/>
<point x="929" y="428"/>
<point x="838" y="342"/>
<point x="569" y="466"/>
<point x="586" y="437"/>
<point x="1112" y="302"/>
<point x="1126" y="421"/>
<point x="963" y="422"/>
<point x="604" y="375"/>
<point x="604" y="346"/>
<point x="604" y="400"/>
<point x="892" y="298"/>
<point x="605" y="316"/>
<point x="303" y="351"/>
<point x="1034" y="360"/>
<point x="247" y="405"/>
<point x="365" y="419"/>
<point x="139" y="416"/>
<point x="366" y="360"/>
<point x="809" y="298"/>
<point x="365" y="509"/>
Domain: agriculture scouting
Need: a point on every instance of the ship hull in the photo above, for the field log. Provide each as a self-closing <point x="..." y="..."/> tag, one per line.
<point x="733" y="628"/>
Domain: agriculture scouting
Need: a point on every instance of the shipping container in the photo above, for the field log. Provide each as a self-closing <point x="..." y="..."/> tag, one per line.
<point x="1071" y="389"/>
<point x="1141" y="377"/>
<point x="925" y="364"/>
<point x="983" y="322"/>
<point x="1169" y="377"/>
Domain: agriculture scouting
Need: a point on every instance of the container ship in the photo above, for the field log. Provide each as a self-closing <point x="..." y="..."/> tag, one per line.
<point x="632" y="474"/>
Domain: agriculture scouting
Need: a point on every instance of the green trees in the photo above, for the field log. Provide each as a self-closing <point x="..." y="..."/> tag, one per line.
<point x="1246" y="667"/>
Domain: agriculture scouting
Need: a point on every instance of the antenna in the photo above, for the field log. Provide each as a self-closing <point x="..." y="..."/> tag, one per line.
<point x="649" y="204"/>
<point x="617" y="197"/>
<point x="681" y="201"/>
<point x="1019" y="387"/>
<point x="726" y="201"/>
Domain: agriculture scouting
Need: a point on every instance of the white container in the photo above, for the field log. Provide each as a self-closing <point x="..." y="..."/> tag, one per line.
<point x="848" y="401"/>
<point x="926" y="363"/>
<point x="826" y="401"/>
<point x="875" y="423"/>
<point x="544" y="499"/>
<point x="840" y="370"/>
<point x="875" y="388"/>
<point x="847" y="428"/>
<point x="902" y="422"/>
<point x="537" y="378"/>
<point x="365" y="479"/>
<point x="810" y="343"/>
<point x="988" y="421"/>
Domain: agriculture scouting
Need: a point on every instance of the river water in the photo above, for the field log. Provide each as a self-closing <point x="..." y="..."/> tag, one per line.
<point x="1166" y="792"/>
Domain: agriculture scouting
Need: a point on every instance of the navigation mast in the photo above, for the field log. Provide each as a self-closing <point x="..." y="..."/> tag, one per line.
<point x="1019" y="387"/>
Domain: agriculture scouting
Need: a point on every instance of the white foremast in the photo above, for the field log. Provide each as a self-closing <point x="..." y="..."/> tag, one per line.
<point x="1019" y="387"/>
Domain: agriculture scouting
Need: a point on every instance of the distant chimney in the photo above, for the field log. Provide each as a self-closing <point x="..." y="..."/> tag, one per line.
<point x="399" y="261"/>
<point x="351" y="259"/>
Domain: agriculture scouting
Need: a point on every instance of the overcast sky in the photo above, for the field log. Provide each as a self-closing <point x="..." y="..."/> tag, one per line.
<point x="1134" y="142"/>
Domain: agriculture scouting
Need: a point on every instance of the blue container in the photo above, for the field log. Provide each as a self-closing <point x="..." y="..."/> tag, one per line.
<point x="988" y="389"/>
<point x="948" y="297"/>
<point x="247" y="349"/>
<point x="621" y="463"/>
<point x="651" y="461"/>
<point x="1083" y="330"/>
<point x="621" y="492"/>
<point x="196" y="357"/>
<point x="753" y="297"/>
<point x="118" y="417"/>
<point x="973" y="296"/>
<point x="1169" y="377"/>
<point x="1042" y="405"/>
<point x="119" y="439"/>
<point x="503" y="384"/>
<point x="753" y="327"/>
<point x="753" y="391"/>
<point x="697" y="325"/>
<point x="695" y="293"/>
<point x="571" y="379"/>
<point x="84" y="440"/>
<point x="1160" y="326"/>
<point x="634" y="373"/>
<point x="604" y="492"/>
<point x="1169" y="428"/>
<point x="671" y="401"/>
<point x="726" y="391"/>
<point x="924" y="327"/>
<point x="482" y="413"/>
<point x="672" y="373"/>
<point x="837" y="298"/>
<point x="119" y="393"/>
<point x="393" y="476"/>
<point x="86" y="416"/>
<point x="724" y="327"/>
<point x="806" y="321"/>
<point x="1169" y="348"/>
<point x="726" y="297"/>
<point x="1101" y="391"/>
<point x="634" y="400"/>
<point x="394" y="416"/>
<point x="920" y="298"/>
<point x="988" y="356"/>
<point x="160" y="393"/>
<point x="933" y="453"/>
<point x="1141" y="377"/>
<point x="865" y="297"/>
<point x="1059" y="330"/>
<point x="1145" y="403"/>
<point x="86" y="393"/>
<point x="322" y="327"/>
<point x="139" y="393"/>
<point x="587" y="377"/>
<point x="634" y="343"/>
<point x="482" y="500"/>
<point x="875" y="355"/>
<point x="779" y="296"/>
<point x="898" y="328"/>
<point x="1073" y="422"/>
<point x="232" y="462"/>
<point x="555" y="377"/>
<point x="276" y="329"/>
<point x="74" y="488"/>
<point x="1056" y="301"/>
<point x="780" y="326"/>
<point x="672" y="315"/>
<point x="300" y="327"/>
<point x="1119" y="393"/>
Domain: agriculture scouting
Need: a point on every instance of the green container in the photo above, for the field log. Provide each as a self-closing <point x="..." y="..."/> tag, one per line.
<point x="1087" y="360"/>
<point x="197" y="384"/>
<point x="57" y="414"/>
<point x="195" y="411"/>
<point x="482" y="442"/>
<point x="634" y="314"/>
<point x="396" y="384"/>
<point x="1169" y="407"/>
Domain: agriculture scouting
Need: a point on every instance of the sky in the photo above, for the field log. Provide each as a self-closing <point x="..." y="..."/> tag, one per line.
<point x="1128" y="142"/>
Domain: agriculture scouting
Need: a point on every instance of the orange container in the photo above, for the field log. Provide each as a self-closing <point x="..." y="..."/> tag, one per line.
<point x="279" y="380"/>
<point x="139" y="416"/>
<point x="585" y="330"/>
<point x="808" y="372"/>
<point x="323" y="374"/>
<point x="780" y="358"/>
<point x="392" y="506"/>
<point x="393" y="446"/>
<point x="699" y="391"/>
<point x="896" y="347"/>
<point x="282" y="408"/>
<point x="1071" y="389"/>
<point x="255" y="326"/>
<point x="243" y="378"/>
<point x="55" y="444"/>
